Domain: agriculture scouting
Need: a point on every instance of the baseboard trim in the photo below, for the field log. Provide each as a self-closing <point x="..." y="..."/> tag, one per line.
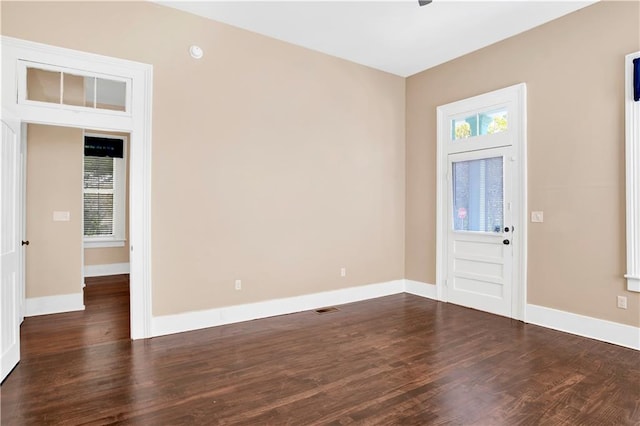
<point x="594" y="328"/>
<point x="169" y="324"/>
<point x="419" y="288"/>
<point x="107" y="269"/>
<point x="602" y="330"/>
<point x="54" y="304"/>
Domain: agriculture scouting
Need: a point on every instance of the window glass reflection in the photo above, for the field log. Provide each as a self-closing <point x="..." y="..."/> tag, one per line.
<point x="478" y="195"/>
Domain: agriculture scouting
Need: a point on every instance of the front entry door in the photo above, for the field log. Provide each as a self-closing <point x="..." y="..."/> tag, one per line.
<point x="10" y="246"/>
<point x="480" y="230"/>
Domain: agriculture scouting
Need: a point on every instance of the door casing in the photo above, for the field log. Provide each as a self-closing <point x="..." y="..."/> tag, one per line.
<point x="136" y="122"/>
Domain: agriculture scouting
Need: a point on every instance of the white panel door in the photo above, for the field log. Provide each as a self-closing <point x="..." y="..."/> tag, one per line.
<point x="10" y="245"/>
<point x="480" y="231"/>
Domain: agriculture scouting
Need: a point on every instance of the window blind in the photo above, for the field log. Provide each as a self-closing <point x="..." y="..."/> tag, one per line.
<point x="98" y="196"/>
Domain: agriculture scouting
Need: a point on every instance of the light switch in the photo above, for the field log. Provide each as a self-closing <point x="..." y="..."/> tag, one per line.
<point x="537" y="217"/>
<point x="61" y="216"/>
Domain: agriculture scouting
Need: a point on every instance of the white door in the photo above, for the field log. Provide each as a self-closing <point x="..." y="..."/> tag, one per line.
<point x="10" y="245"/>
<point x="481" y="234"/>
<point x="480" y="230"/>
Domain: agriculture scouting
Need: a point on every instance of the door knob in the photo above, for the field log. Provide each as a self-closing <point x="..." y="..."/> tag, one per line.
<point x="506" y="242"/>
<point x="25" y="243"/>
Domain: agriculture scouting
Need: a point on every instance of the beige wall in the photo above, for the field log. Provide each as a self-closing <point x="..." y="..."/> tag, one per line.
<point x="54" y="183"/>
<point x="277" y="165"/>
<point x="45" y="86"/>
<point x="574" y="70"/>
<point x="272" y="164"/>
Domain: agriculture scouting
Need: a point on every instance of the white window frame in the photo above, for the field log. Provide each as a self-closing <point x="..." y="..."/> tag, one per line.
<point x="22" y="66"/>
<point x="119" y="200"/>
<point x="632" y="156"/>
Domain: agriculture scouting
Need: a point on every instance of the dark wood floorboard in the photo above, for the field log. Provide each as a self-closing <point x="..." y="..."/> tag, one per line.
<point x="400" y="359"/>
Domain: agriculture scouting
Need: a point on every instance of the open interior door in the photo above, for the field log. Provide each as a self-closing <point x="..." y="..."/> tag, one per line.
<point x="10" y="244"/>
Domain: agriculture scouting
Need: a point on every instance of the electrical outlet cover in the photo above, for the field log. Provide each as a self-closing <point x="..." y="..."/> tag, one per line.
<point x="537" y="217"/>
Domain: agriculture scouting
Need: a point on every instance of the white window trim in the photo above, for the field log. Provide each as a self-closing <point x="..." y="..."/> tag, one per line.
<point x="120" y="190"/>
<point x="632" y="155"/>
<point x="22" y="66"/>
<point x="90" y="243"/>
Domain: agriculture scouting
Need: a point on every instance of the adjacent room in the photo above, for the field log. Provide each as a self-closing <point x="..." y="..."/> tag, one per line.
<point x="320" y="212"/>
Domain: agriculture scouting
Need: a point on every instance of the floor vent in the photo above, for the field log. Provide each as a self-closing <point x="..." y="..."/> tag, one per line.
<point x="326" y="310"/>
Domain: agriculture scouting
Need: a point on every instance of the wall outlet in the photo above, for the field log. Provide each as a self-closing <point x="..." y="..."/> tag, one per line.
<point x="61" y="216"/>
<point x="622" y="302"/>
<point x="537" y="217"/>
<point x="238" y="284"/>
<point x="343" y="272"/>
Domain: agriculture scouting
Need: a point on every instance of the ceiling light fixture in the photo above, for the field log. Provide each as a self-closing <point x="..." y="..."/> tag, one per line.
<point x="196" y="52"/>
<point x="424" y="2"/>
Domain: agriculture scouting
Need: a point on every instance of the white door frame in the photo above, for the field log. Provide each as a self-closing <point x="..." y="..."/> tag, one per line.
<point x="23" y="220"/>
<point x="514" y="98"/>
<point x="136" y="121"/>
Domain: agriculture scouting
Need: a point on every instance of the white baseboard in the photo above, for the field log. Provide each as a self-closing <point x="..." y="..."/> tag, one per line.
<point x="606" y="331"/>
<point x="594" y="328"/>
<point x="54" y="304"/>
<point x="108" y="269"/>
<point x="420" y="289"/>
<point x="169" y="324"/>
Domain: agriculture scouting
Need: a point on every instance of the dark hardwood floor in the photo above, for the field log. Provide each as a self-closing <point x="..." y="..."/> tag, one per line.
<point x="394" y="360"/>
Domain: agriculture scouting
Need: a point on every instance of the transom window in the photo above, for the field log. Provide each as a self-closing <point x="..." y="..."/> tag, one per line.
<point x="56" y="85"/>
<point x="483" y="123"/>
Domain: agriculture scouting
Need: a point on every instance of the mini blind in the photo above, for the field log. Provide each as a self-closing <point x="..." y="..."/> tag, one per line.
<point x="98" y="196"/>
<point x="478" y="194"/>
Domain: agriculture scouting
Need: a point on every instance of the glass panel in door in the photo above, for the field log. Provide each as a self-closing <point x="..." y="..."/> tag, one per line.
<point x="478" y="195"/>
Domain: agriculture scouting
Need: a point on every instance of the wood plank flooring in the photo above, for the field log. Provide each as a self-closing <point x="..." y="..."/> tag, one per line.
<point x="400" y="359"/>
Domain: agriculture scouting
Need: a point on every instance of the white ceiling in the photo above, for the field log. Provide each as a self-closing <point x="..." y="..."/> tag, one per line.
<point x="394" y="36"/>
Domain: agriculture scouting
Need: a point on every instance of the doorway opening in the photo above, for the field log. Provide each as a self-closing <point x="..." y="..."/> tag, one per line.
<point x="76" y="217"/>
<point x="64" y="66"/>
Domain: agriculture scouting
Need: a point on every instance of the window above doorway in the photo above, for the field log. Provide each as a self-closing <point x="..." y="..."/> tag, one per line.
<point x="479" y="124"/>
<point x="53" y="85"/>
